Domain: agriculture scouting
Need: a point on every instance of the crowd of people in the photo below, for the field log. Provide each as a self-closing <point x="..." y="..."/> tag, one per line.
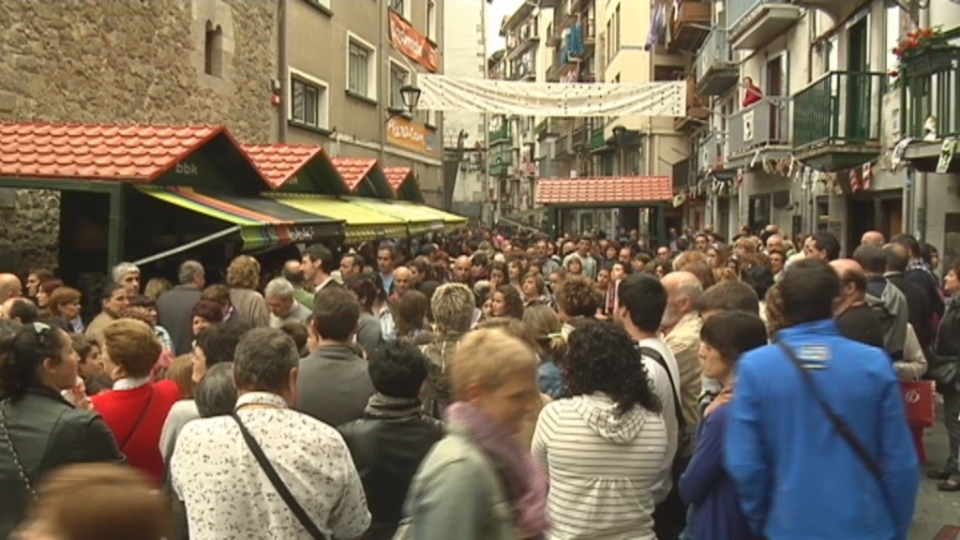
<point x="496" y="386"/>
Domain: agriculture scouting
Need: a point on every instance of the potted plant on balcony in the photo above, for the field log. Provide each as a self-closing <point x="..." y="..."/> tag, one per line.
<point x="923" y="52"/>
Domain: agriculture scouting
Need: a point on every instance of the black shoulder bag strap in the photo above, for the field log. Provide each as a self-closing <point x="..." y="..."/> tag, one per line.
<point x="838" y="423"/>
<point x="655" y="355"/>
<point x="278" y="484"/>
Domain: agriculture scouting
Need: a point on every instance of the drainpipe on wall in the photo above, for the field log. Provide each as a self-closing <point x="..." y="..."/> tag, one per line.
<point x="484" y="217"/>
<point x="283" y="72"/>
<point x="920" y="189"/>
<point x="383" y="84"/>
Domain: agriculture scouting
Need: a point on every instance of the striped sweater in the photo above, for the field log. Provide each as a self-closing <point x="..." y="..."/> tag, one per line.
<point x="601" y="467"/>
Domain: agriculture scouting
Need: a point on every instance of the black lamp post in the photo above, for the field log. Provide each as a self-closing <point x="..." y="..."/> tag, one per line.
<point x="410" y="95"/>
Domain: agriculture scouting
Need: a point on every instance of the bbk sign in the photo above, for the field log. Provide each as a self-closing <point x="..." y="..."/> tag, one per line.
<point x="187" y="169"/>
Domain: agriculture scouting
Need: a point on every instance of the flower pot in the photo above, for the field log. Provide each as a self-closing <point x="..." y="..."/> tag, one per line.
<point x="930" y="61"/>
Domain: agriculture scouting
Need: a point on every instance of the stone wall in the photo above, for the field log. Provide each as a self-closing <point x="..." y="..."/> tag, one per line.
<point x="128" y="61"/>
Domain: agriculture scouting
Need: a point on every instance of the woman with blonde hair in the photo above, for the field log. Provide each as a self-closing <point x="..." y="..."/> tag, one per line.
<point x="156" y="287"/>
<point x="97" y="501"/>
<point x="243" y="278"/>
<point x="478" y="482"/>
<point x="551" y="347"/>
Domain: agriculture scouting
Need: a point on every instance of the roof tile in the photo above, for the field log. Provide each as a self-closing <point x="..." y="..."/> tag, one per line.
<point x="278" y="163"/>
<point x="606" y="189"/>
<point x="396" y="176"/>
<point x="134" y="153"/>
<point x="353" y="170"/>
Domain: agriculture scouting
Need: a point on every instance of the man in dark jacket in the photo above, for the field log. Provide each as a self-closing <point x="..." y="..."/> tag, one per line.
<point x="393" y="436"/>
<point x="918" y="305"/>
<point x="174" y="306"/>
<point x="918" y="273"/>
<point x="333" y="385"/>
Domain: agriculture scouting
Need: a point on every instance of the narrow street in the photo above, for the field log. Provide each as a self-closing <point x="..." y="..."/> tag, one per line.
<point x="935" y="509"/>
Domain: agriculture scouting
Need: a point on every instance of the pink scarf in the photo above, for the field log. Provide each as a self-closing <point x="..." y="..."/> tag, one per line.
<point x="526" y="484"/>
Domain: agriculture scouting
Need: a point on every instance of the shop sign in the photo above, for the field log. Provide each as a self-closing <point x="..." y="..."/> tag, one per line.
<point x="412" y="43"/>
<point x="409" y="135"/>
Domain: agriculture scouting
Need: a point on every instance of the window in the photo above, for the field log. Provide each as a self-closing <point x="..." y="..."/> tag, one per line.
<point x="308" y="100"/>
<point x="213" y="50"/>
<point x="402" y="7"/>
<point x="432" y="20"/>
<point x="399" y="76"/>
<point x="432" y="118"/>
<point x="892" y="34"/>
<point x="668" y="73"/>
<point x="616" y="24"/>
<point x="361" y="68"/>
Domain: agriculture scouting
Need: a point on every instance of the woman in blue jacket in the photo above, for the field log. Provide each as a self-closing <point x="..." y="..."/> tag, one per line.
<point x="705" y="484"/>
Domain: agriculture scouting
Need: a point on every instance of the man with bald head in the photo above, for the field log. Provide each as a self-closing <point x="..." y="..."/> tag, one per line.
<point x="855" y="318"/>
<point x="293" y="272"/>
<point x="10" y="287"/>
<point x="461" y="270"/>
<point x="681" y="330"/>
<point x="872" y="238"/>
<point x="402" y="282"/>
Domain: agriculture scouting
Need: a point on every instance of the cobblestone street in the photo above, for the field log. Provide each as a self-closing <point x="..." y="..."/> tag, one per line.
<point x="935" y="509"/>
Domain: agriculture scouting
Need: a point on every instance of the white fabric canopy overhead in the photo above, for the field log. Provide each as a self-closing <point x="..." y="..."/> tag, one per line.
<point x="447" y="93"/>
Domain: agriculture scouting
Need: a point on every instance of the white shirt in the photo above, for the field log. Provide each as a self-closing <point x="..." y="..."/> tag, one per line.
<point x="227" y="494"/>
<point x="661" y="386"/>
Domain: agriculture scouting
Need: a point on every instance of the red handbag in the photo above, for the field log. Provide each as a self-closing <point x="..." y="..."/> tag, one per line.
<point x="919" y="401"/>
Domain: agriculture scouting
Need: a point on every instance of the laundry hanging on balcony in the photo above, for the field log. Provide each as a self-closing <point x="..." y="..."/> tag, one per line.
<point x="575" y="43"/>
<point x="449" y="93"/>
<point x="658" y="28"/>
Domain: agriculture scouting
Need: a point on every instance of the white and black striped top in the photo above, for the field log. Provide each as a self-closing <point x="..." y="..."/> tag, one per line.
<point x="601" y="467"/>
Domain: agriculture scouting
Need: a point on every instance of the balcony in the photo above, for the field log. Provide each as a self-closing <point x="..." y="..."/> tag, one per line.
<point x="713" y="153"/>
<point x="598" y="143"/>
<point x="931" y="87"/>
<point x="563" y="17"/>
<point x="562" y="147"/>
<point x="763" y="126"/>
<point x="548" y="128"/>
<point x="689" y="26"/>
<point x="754" y="23"/>
<point x="524" y="38"/>
<point x="836" y="120"/>
<point x="524" y="70"/>
<point x="501" y="134"/>
<point x="561" y="65"/>
<point x="837" y="10"/>
<point x="697" y="112"/>
<point x="715" y="68"/>
<point x="580" y="135"/>
<point x="501" y="166"/>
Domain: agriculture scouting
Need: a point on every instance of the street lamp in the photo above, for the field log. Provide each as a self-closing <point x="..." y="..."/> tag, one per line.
<point x="619" y="133"/>
<point x="410" y="95"/>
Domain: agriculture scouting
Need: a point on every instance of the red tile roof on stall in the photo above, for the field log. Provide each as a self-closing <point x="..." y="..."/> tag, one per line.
<point x="396" y="176"/>
<point x="606" y="189"/>
<point x="129" y="153"/>
<point x="278" y="163"/>
<point x="353" y="170"/>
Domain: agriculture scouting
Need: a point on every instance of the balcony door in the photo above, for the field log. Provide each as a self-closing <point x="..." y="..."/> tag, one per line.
<point x="775" y="85"/>
<point x="857" y="94"/>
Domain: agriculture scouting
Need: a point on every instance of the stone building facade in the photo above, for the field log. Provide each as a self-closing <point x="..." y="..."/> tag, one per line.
<point x="128" y="61"/>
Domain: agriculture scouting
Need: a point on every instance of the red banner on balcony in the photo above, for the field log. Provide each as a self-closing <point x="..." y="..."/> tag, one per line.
<point x="412" y="43"/>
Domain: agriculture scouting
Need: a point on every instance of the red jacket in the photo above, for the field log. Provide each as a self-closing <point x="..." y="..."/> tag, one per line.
<point x="752" y="95"/>
<point x="149" y="404"/>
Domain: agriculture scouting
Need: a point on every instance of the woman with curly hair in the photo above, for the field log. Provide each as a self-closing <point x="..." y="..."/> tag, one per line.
<point x="243" y="277"/>
<point x="576" y="300"/>
<point x="606" y="445"/>
<point x="506" y="302"/>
